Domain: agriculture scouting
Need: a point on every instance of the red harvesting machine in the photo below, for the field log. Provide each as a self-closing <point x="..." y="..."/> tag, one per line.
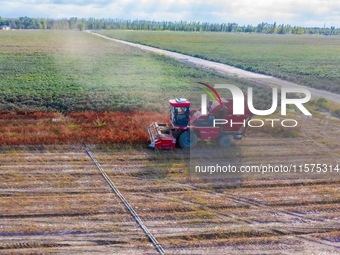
<point x="186" y="126"/>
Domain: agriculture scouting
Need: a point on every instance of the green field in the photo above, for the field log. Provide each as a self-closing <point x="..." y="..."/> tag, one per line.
<point x="68" y="70"/>
<point x="308" y="60"/>
<point x="76" y="71"/>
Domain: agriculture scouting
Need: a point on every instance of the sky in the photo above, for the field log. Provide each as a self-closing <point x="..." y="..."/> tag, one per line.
<point x="311" y="13"/>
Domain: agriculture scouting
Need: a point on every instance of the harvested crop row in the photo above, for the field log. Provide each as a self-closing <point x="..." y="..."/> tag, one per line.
<point x="35" y="128"/>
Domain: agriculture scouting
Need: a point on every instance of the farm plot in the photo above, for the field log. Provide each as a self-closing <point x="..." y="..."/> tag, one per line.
<point x="73" y="71"/>
<point x="57" y="200"/>
<point x="65" y="71"/>
<point x="54" y="200"/>
<point x="38" y="128"/>
<point x="306" y="60"/>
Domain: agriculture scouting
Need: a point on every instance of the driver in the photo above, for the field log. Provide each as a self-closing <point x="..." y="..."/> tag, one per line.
<point x="209" y="107"/>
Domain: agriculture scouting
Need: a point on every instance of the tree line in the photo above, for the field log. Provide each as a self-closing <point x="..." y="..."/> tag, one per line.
<point x="120" y="24"/>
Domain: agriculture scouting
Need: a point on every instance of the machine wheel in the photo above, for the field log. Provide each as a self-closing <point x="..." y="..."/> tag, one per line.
<point x="187" y="139"/>
<point x="224" y="141"/>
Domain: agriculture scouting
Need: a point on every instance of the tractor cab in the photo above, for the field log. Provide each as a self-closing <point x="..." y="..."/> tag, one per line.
<point x="179" y="112"/>
<point x="163" y="135"/>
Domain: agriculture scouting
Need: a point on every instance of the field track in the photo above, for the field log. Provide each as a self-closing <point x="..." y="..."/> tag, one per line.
<point x="230" y="70"/>
<point x="126" y="203"/>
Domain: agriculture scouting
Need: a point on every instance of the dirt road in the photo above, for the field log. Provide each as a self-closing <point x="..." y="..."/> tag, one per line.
<point x="230" y="70"/>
